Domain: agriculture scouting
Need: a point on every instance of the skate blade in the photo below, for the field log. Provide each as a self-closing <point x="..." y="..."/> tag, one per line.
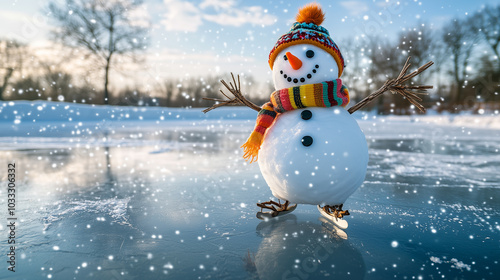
<point x="340" y="223"/>
<point x="269" y="215"/>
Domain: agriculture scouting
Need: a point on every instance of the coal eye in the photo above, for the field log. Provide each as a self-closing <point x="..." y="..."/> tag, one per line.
<point x="306" y="115"/>
<point x="307" y="141"/>
<point x="285" y="58"/>
<point x="310" y="53"/>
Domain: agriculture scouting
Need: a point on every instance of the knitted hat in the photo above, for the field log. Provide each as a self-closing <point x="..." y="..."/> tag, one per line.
<point x="307" y="30"/>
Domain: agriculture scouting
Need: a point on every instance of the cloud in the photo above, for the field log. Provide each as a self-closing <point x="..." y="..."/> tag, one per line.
<point x="13" y="16"/>
<point x="252" y="15"/>
<point x="140" y="16"/>
<point x="186" y="16"/>
<point x="355" y="7"/>
<point x="23" y="26"/>
<point x="181" y="16"/>
<point x="217" y="4"/>
<point x="173" y="62"/>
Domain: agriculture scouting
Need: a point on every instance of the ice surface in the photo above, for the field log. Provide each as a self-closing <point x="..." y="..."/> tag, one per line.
<point x="114" y="208"/>
<point x="174" y="199"/>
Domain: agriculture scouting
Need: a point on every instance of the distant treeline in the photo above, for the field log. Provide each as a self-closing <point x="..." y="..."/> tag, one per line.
<point x="466" y="74"/>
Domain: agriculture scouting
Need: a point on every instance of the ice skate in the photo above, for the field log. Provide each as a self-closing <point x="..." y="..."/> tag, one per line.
<point x="277" y="209"/>
<point x="335" y="214"/>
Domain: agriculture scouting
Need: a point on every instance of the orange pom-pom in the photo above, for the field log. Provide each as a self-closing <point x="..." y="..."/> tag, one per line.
<point x="311" y="13"/>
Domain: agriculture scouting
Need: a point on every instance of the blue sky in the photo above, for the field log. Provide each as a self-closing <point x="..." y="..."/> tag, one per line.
<point x="199" y="37"/>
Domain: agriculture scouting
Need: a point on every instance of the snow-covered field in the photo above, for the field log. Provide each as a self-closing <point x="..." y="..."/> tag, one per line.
<point x="58" y="119"/>
<point x="143" y="193"/>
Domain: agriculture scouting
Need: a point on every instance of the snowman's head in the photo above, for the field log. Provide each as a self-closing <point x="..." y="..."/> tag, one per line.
<point x="306" y="54"/>
<point x="303" y="64"/>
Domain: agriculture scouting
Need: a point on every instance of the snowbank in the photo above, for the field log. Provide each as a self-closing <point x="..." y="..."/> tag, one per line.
<point x="491" y="121"/>
<point x="55" y="119"/>
<point x="18" y="112"/>
<point x="58" y="119"/>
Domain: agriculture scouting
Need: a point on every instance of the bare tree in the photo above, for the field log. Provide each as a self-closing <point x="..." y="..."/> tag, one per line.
<point x="104" y="28"/>
<point x="459" y="39"/>
<point x="419" y="44"/>
<point x="487" y="23"/>
<point x="385" y="62"/>
<point x="355" y="75"/>
<point x="58" y="83"/>
<point x="27" y="88"/>
<point x="440" y="56"/>
<point x="486" y="82"/>
<point x="12" y="54"/>
<point x="167" y="91"/>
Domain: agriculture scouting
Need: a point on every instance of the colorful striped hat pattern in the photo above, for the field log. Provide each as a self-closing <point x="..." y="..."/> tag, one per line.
<point x="307" y="30"/>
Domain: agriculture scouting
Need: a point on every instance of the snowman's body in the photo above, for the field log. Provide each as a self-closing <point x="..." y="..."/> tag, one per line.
<point x="314" y="155"/>
<point x="326" y="172"/>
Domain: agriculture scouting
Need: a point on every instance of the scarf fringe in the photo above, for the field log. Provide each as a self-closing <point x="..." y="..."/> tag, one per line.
<point x="252" y="146"/>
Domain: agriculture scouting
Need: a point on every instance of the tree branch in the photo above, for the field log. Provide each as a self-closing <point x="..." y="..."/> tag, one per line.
<point x="397" y="86"/>
<point x="238" y="99"/>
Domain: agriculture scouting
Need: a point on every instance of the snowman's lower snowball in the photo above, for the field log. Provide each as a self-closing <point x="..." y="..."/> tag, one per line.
<point x="327" y="171"/>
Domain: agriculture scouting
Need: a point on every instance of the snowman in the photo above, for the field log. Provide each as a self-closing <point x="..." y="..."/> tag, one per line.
<point x="309" y="148"/>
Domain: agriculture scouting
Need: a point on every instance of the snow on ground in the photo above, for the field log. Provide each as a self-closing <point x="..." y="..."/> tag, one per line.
<point x="58" y="119"/>
<point x="44" y="118"/>
<point x="22" y="112"/>
<point x="491" y="121"/>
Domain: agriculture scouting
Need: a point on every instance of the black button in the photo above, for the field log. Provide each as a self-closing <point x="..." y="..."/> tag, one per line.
<point x="295" y="80"/>
<point x="306" y="114"/>
<point x="309" y="76"/>
<point x="310" y="53"/>
<point x="302" y="80"/>
<point x="307" y="141"/>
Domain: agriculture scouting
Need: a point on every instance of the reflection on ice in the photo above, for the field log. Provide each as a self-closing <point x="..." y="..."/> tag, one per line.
<point x="293" y="249"/>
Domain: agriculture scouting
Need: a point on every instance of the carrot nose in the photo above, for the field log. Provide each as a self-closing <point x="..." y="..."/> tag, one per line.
<point x="295" y="62"/>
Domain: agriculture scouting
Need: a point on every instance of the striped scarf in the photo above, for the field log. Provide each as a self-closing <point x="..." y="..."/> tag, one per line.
<point x="326" y="94"/>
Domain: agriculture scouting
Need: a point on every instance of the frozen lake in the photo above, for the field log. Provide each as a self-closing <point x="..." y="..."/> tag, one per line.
<point x="175" y="200"/>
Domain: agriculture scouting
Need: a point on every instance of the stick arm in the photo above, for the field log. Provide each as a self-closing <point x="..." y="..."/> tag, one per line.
<point x="237" y="100"/>
<point x="397" y="86"/>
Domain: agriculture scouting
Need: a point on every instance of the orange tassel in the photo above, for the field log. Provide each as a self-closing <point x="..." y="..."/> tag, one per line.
<point x="252" y="146"/>
<point x="311" y="13"/>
